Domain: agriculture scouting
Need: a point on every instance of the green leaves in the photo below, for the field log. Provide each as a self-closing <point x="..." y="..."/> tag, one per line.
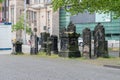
<point x="1" y="1"/>
<point x="79" y="6"/>
<point x="20" y="25"/>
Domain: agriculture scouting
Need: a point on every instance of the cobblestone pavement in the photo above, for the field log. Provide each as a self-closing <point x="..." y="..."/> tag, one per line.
<point x="17" y="67"/>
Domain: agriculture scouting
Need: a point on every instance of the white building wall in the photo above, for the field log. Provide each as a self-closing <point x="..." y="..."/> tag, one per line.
<point x="42" y="16"/>
<point x="55" y="23"/>
<point x="43" y="20"/>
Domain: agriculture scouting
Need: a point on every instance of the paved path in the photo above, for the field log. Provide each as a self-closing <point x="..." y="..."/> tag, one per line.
<point x="16" y="67"/>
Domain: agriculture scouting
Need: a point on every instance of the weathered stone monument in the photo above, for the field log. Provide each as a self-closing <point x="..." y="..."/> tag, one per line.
<point x="86" y="43"/>
<point x="69" y="42"/>
<point x="100" y="45"/>
<point x="44" y="37"/>
<point x="34" y="42"/>
<point x="51" y="45"/>
<point x="54" y="46"/>
<point x="17" y="48"/>
<point x="48" y="46"/>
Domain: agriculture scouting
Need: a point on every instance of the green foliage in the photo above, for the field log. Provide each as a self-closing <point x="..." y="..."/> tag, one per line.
<point x="80" y="6"/>
<point x="1" y="1"/>
<point x="28" y="30"/>
<point x="20" y="25"/>
<point x="43" y="54"/>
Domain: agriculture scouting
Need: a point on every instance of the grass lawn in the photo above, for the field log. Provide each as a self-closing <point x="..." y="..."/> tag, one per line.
<point x="97" y="61"/>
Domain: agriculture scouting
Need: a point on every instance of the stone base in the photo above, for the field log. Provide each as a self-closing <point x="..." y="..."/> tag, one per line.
<point x="42" y="50"/>
<point x="33" y="51"/>
<point x="54" y="52"/>
<point x="70" y="54"/>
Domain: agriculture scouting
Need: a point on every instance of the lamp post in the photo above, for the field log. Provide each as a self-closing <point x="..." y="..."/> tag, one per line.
<point x="24" y="21"/>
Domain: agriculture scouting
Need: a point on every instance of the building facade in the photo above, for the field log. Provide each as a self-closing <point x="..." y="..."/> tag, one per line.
<point x="39" y="14"/>
<point x="1" y="12"/>
<point x="4" y="12"/>
<point x="83" y="20"/>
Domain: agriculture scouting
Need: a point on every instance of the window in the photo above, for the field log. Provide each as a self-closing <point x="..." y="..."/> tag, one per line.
<point x="27" y="1"/>
<point x="12" y="15"/>
<point x="35" y="18"/>
<point x="48" y="18"/>
<point x="32" y="17"/>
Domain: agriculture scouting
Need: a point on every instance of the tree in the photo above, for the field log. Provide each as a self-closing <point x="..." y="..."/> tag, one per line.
<point x="1" y="1"/>
<point x="18" y="27"/>
<point x="80" y="6"/>
<point x="1" y="4"/>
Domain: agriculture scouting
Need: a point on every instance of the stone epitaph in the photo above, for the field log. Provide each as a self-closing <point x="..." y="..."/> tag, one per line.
<point x="34" y="42"/>
<point x="86" y="43"/>
<point x="100" y="45"/>
<point x="54" y="46"/>
<point x="48" y="46"/>
<point x="17" y="48"/>
<point x="69" y="42"/>
<point x="44" y="37"/>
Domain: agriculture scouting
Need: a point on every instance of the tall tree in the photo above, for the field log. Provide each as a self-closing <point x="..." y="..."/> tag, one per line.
<point x="1" y="4"/>
<point x="1" y="1"/>
<point x="19" y="27"/>
<point x="79" y="6"/>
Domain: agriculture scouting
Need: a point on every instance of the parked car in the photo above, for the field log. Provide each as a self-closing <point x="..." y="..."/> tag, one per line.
<point x="80" y="41"/>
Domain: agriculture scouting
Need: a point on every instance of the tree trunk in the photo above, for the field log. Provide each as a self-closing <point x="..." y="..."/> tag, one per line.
<point x="19" y="36"/>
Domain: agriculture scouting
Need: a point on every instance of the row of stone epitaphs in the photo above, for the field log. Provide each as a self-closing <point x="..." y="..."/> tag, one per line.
<point x="100" y="44"/>
<point x="69" y="42"/>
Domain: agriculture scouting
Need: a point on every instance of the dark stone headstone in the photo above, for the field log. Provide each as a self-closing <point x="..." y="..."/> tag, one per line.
<point x="34" y="44"/>
<point x="18" y="47"/>
<point x="100" y="45"/>
<point x="69" y="42"/>
<point x="71" y="28"/>
<point x="48" y="46"/>
<point x="44" y="37"/>
<point x="54" y="46"/>
<point x="87" y="43"/>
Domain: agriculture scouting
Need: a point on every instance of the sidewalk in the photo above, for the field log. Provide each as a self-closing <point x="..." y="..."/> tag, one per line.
<point x="5" y="51"/>
<point x="25" y="50"/>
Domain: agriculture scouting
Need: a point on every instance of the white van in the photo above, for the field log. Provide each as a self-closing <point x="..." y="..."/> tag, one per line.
<point x="5" y="36"/>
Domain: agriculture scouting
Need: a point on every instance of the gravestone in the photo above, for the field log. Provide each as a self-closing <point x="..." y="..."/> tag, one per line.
<point x="69" y="42"/>
<point x="48" y="46"/>
<point x="54" y="46"/>
<point x="100" y="45"/>
<point x="86" y="43"/>
<point x="34" y="42"/>
<point x="44" y="37"/>
<point x="18" y="47"/>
